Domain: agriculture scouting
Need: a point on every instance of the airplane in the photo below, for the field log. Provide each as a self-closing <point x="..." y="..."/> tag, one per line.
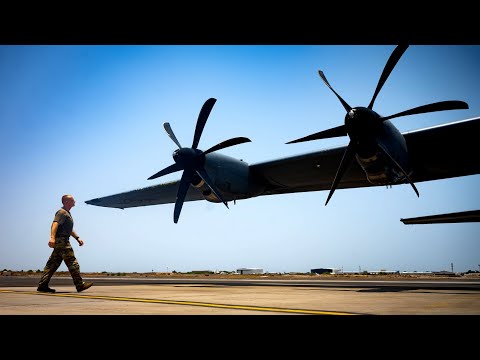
<point x="383" y="155"/>
<point x="455" y="217"/>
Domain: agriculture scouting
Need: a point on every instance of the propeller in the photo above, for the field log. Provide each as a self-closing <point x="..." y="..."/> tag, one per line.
<point x="192" y="160"/>
<point x="361" y="123"/>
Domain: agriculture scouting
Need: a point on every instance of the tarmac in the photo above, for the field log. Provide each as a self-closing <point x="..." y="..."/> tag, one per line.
<point x="206" y="296"/>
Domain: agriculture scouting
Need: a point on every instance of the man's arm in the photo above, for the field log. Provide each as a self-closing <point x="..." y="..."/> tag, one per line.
<point x="75" y="235"/>
<point x="53" y="232"/>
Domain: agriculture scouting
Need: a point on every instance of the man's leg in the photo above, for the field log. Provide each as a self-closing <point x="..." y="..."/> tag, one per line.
<point x="73" y="266"/>
<point x="52" y="265"/>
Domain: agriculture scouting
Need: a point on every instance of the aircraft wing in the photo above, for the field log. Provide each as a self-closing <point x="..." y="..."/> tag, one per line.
<point x="308" y="172"/>
<point x="457" y="217"/>
<point x="152" y="195"/>
<point x="438" y="152"/>
<point x="444" y="151"/>
<point x="312" y="171"/>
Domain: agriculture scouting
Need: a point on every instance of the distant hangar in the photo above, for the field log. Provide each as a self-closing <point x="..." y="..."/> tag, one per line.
<point x="245" y="271"/>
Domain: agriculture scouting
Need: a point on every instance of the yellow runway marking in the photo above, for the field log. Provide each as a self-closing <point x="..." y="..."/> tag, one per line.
<point x="188" y="303"/>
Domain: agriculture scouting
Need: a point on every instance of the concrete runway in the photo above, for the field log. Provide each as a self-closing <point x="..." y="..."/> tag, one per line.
<point x="203" y="296"/>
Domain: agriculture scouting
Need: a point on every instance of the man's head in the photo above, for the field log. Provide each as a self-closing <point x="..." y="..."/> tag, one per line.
<point x="68" y="201"/>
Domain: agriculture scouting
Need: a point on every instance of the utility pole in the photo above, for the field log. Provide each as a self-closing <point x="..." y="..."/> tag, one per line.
<point x="451" y="264"/>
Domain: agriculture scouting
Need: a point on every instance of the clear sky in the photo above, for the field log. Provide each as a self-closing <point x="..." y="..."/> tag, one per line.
<point x="87" y="121"/>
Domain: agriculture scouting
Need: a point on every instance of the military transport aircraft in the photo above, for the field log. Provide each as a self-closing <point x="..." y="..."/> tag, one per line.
<point x="383" y="155"/>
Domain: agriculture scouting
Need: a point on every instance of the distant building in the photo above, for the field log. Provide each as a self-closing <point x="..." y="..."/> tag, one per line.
<point x="250" y="271"/>
<point x="383" y="272"/>
<point x="326" y="271"/>
<point x="417" y="273"/>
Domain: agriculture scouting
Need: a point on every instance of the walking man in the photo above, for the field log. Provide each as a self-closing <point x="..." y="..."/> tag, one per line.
<point x="61" y="230"/>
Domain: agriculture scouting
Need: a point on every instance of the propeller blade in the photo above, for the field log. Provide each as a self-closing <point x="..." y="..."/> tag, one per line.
<point x="181" y="193"/>
<point x="203" y="174"/>
<point x="330" y="133"/>
<point x="168" y="170"/>
<point x="392" y="61"/>
<point x="190" y="160"/>
<point x="345" y="105"/>
<point x="386" y="153"/>
<point x="202" y="120"/>
<point x="439" y="106"/>
<point x="170" y="133"/>
<point x="346" y="160"/>
<point x="227" y="143"/>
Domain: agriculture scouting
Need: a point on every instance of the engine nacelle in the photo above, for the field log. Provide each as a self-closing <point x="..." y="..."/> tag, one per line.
<point x="379" y="171"/>
<point x="378" y="167"/>
<point x="231" y="177"/>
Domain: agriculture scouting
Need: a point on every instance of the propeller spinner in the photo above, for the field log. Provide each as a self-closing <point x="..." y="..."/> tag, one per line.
<point x="192" y="160"/>
<point x="362" y="123"/>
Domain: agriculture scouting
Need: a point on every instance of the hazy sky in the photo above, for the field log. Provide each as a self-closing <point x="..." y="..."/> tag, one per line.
<point x="87" y="121"/>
